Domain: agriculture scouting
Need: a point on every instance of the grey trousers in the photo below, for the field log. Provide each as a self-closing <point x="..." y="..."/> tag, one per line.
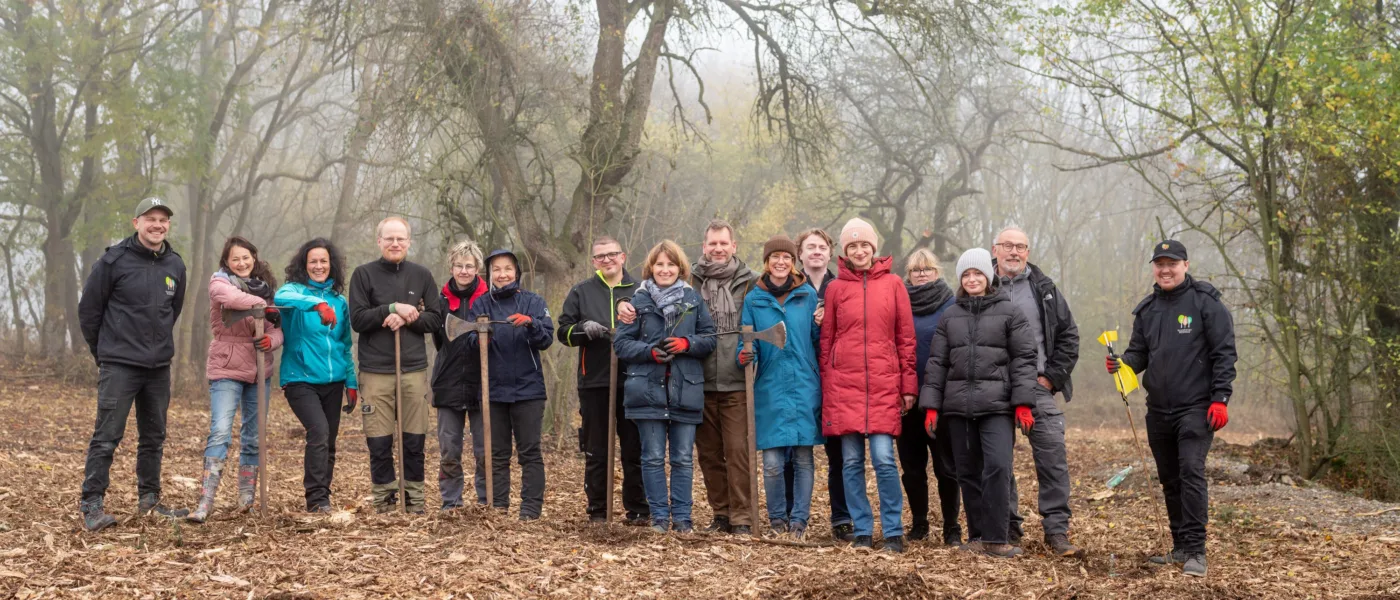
<point x="1051" y="468"/>
<point x="452" y="424"/>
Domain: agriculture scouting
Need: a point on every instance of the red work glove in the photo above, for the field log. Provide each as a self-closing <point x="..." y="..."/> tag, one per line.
<point x="354" y="399"/>
<point x="677" y="345"/>
<point x="327" y="314"/>
<point x="1217" y="415"/>
<point x="660" y="356"/>
<point x="745" y="357"/>
<point x="263" y="343"/>
<point x="1111" y="363"/>
<point x="1024" y="419"/>
<point x="931" y="422"/>
<point x="519" y="320"/>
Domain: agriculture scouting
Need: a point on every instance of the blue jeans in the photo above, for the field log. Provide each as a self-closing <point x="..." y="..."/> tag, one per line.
<point x="886" y="481"/>
<point x="225" y="398"/>
<point x="780" y="507"/>
<point x="654" y="434"/>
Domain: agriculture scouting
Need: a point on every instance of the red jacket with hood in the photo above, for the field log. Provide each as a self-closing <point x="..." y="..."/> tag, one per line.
<point x="867" y="351"/>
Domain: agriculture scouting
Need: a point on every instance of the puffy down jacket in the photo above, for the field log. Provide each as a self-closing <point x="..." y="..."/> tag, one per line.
<point x="867" y="351"/>
<point x="982" y="361"/>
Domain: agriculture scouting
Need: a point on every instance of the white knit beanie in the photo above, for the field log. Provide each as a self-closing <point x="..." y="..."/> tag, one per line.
<point x="975" y="258"/>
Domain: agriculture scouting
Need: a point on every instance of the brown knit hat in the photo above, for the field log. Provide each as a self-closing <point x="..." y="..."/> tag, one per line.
<point x="779" y="243"/>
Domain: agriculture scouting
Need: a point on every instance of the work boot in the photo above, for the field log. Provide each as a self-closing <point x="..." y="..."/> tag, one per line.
<point x="247" y="487"/>
<point x="952" y="538"/>
<point x="862" y="541"/>
<point x="919" y="531"/>
<point x="741" y="530"/>
<point x="637" y="520"/>
<point x="719" y="525"/>
<point x="319" y="508"/>
<point x="778" y="526"/>
<point x="798" y="529"/>
<point x="973" y="546"/>
<point x="1060" y="545"/>
<point x="1195" y="565"/>
<point x="150" y="503"/>
<point x="661" y="526"/>
<point x="413" y="497"/>
<point x="94" y="518"/>
<point x="682" y="527"/>
<point x="1174" y="557"/>
<point x="1001" y="550"/>
<point x="894" y="544"/>
<point x="843" y="533"/>
<point x="213" y="471"/>
<point x="386" y="496"/>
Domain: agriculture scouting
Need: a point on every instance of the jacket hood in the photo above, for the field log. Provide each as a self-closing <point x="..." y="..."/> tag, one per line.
<point x="882" y="266"/>
<point x="133" y="244"/>
<point x="513" y="259"/>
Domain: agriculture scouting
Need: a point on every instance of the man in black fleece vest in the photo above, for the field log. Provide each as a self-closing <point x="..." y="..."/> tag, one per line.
<point x="386" y="296"/>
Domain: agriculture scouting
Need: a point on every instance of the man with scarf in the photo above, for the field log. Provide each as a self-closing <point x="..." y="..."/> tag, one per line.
<point x="1057" y="349"/>
<point x="723" y="437"/>
<point x="387" y="296"/>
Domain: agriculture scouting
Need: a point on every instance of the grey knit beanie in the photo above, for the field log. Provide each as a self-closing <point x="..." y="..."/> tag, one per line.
<point x="975" y="258"/>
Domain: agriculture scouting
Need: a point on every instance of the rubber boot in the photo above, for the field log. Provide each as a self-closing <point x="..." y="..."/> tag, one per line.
<point x="213" y="471"/>
<point x="150" y="504"/>
<point x="94" y="518"/>
<point x="247" y="487"/>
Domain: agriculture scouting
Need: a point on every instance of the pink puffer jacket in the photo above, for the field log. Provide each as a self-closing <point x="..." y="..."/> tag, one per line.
<point x="231" y="352"/>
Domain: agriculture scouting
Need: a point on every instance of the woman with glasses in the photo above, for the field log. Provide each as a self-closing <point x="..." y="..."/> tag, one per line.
<point x="456" y="370"/>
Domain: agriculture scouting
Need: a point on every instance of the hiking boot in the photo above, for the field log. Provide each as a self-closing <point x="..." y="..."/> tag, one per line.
<point x="953" y="539"/>
<point x="386" y="496"/>
<point x="1176" y="557"/>
<point x="94" y="518"/>
<point x="1014" y="535"/>
<point x="213" y="471"/>
<point x="719" y="525"/>
<point x="894" y="544"/>
<point x="741" y="530"/>
<point x="1061" y="546"/>
<point x="1195" y="565"/>
<point x="150" y="504"/>
<point x="319" y="508"/>
<point x="973" y="546"/>
<point x="683" y="527"/>
<point x="918" y="532"/>
<point x="661" y="527"/>
<point x="844" y="532"/>
<point x="778" y="526"/>
<point x="798" y="529"/>
<point x="414" y="509"/>
<point x="637" y="520"/>
<point x="862" y="541"/>
<point x="413" y="499"/>
<point x="1001" y="550"/>
<point x="247" y="487"/>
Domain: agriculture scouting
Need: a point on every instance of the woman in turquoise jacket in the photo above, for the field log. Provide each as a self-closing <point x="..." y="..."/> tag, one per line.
<point x="317" y="369"/>
<point x="787" y="387"/>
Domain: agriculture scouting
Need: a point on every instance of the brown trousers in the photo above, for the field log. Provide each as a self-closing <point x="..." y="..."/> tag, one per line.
<point x="722" y="441"/>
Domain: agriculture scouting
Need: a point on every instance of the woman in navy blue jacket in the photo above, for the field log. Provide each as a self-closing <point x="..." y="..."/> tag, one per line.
<point x="929" y="297"/>
<point x="665" y="387"/>
<point x="516" y="380"/>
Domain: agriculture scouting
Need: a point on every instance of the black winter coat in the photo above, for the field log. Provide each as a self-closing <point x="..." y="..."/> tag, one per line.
<point x="1185" y="340"/>
<point x="1061" y="333"/>
<point x="593" y="300"/>
<point x="982" y="361"/>
<point x="130" y="303"/>
<point x="458" y="364"/>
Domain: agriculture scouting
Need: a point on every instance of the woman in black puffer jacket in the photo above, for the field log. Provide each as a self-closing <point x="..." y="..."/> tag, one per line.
<point x="981" y="370"/>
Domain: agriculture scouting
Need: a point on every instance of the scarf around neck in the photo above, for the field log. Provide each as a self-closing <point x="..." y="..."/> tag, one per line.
<point x="667" y="299"/>
<point x="248" y="285"/>
<point x="715" y="291"/>
<point x="455" y="296"/>
<point x="929" y="297"/>
<point x="794" y="280"/>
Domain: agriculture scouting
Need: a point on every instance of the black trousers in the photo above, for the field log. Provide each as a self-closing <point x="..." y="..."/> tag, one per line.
<point x="317" y="406"/>
<point x="593" y="438"/>
<point x="982" y="451"/>
<point x="915" y="448"/>
<point x="1180" y="442"/>
<point x="521" y="422"/>
<point x="119" y="387"/>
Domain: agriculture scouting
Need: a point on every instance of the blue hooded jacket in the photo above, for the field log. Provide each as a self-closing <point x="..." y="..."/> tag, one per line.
<point x="787" y="386"/>
<point x="514" y="357"/>
<point x="311" y="352"/>
<point x="673" y="391"/>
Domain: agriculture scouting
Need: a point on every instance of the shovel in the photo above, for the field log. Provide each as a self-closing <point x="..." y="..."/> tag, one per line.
<point x="456" y="327"/>
<point x="259" y="315"/>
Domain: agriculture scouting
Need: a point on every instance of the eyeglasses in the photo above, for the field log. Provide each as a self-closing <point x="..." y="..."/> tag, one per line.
<point x="396" y="241"/>
<point x="606" y="257"/>
<point x="466" y="268"/>
<point x="1009" y="247"/>
<point x="925" y="271"/>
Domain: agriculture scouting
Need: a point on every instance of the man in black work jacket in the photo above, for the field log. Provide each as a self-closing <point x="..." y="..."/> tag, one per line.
<point x="587" y="322"/>
<point x="392" y="295"/>
<point x="1184" y="336"/>
<point x="128" y="310"/>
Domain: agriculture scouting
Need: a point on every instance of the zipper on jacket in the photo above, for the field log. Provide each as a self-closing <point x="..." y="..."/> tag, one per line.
<point x="865" y="346"/>
<point x="972" y="359"/>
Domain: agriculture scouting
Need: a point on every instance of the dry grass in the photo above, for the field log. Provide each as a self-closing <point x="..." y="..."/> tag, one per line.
<point x="1254" y="552"/>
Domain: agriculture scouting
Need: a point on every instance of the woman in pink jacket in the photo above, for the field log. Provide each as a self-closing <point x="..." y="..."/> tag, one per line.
<point x="242" y="282"/>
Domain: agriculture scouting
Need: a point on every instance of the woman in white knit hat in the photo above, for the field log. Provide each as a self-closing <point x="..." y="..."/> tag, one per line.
<point x="980" y="376"/>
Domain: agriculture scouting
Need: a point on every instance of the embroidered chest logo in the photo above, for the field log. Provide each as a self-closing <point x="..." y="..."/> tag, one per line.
<point x="169" y="286"/>
<point x="1183" y="323"/>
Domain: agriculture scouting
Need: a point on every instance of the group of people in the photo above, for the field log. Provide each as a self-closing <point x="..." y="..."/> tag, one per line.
<point x="908" y="370"/>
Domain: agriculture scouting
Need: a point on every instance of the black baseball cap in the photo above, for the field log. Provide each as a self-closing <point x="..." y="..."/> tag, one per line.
<point x="1169" y="249"/>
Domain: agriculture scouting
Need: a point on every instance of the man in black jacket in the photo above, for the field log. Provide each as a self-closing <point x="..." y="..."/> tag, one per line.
<point x="1057" y="349"/>
<point x="390" y="295"/>
<point x="128" y="310"/>
<point x="1185" y="337"/>
<point x="587" y="323"/>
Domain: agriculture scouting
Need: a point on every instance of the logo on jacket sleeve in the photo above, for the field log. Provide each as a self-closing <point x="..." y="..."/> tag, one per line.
<point x="1183" y="323"/>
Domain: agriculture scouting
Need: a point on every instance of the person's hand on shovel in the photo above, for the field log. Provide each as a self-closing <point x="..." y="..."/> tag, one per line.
<point x="594" y="330"/>
<point x="352" y="398"/>
<point x="263" y="343"/>
<point x="394" y="322"/>
<point x="745" y="357"/>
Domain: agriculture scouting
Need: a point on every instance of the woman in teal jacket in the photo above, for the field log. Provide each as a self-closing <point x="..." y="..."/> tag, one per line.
<point x="317" y="368"/>
<point x="787" y="387"/>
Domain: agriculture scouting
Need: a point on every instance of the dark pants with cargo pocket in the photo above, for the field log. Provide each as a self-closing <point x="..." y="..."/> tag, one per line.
<point x="452" y="424"/>
<point x="317" y="406"/>
<point x="983" y="449"/>
<point x="1051" y="468"/>
<point x="1180" y="442"/>
<point x="119" y="387"/>
<point x="520" y="421"/>
<point x="593" y="408"/>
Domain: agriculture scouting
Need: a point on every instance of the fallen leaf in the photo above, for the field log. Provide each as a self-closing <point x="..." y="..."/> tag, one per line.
<point x="14" y="553"/>
<point x="12" y="574"/>
<point x="1101" y="496"/>
<point x="457" y="558"/>
<point x="228" y="579"/>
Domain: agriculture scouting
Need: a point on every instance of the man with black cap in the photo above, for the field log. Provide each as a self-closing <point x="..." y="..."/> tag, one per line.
<point x="128" y="310"/>
<point x="1185" y="337"/>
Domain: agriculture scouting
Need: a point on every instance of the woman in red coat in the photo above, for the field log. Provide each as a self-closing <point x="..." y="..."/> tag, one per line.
<point x="868" y="379"/>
